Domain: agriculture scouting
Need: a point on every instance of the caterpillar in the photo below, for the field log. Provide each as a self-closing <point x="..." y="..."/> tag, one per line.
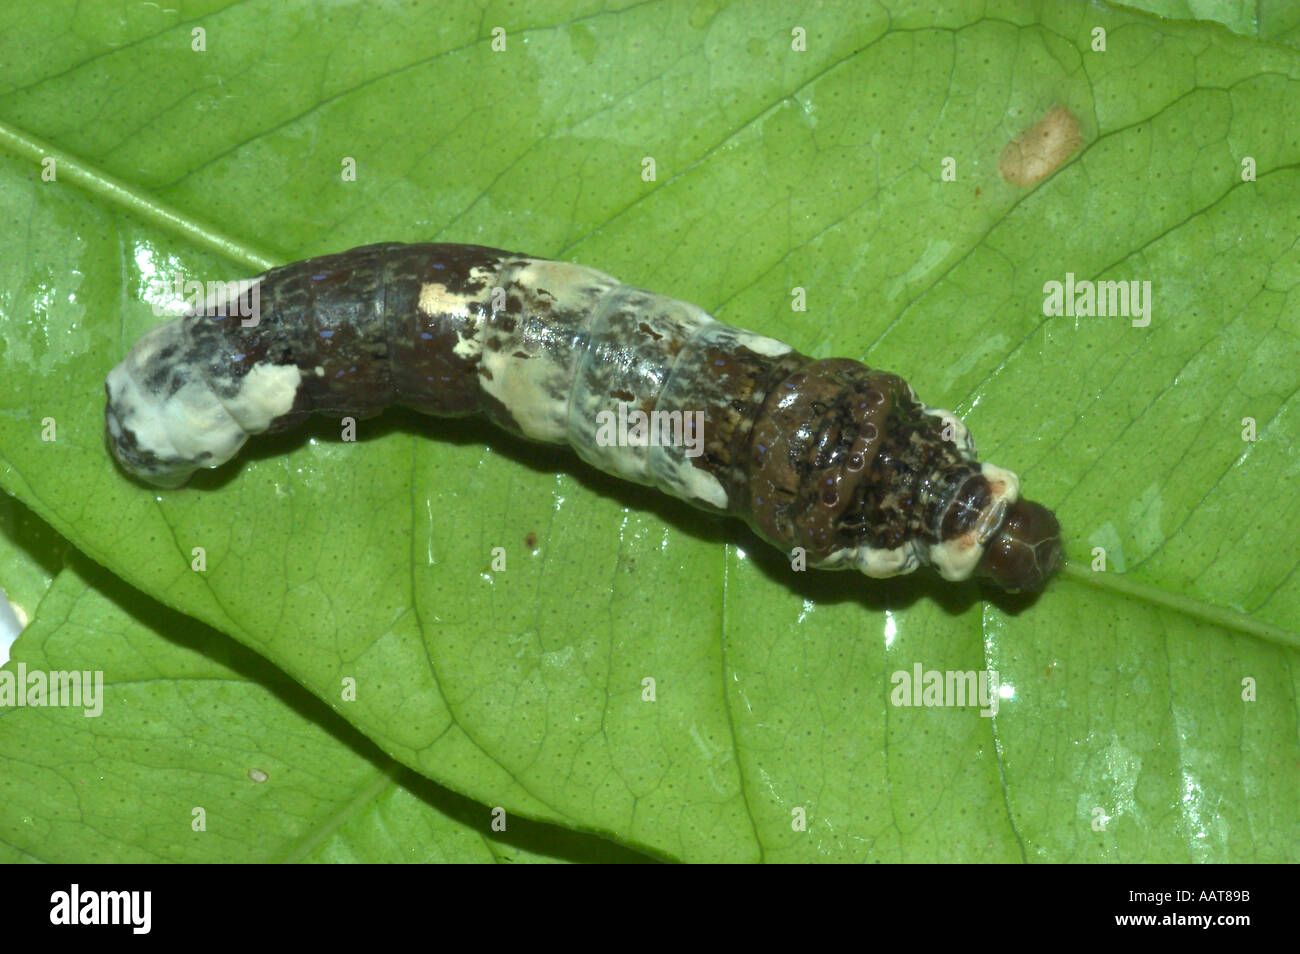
<point x="826" y="455"/>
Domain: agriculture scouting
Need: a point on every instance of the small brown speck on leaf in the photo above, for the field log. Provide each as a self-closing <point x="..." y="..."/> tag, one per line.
<point x="1042" y="148"/>
<point x="531" y="541"/>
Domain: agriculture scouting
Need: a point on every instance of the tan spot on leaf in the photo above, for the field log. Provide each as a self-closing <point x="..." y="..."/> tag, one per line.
<point x="1042" y="148"/>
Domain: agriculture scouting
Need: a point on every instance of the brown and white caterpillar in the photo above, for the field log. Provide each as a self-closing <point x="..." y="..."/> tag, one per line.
<point x="826" y="455"/>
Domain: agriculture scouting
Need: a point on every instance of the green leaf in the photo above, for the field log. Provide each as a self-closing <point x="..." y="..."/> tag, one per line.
<point x="1276" y="21"/>
<point x="194" y="749"/>
<point x="30" y="556"/>
<point x="775" y="169"/>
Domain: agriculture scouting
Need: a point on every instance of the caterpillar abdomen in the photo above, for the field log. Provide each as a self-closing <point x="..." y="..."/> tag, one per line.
<point x="827" y="455"/>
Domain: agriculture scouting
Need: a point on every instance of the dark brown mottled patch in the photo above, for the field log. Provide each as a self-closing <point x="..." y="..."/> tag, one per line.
<point x="824" y="454"/>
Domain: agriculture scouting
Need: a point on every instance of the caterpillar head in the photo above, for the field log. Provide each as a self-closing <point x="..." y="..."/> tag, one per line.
<point x="1025" y="551"/>
<point x="166" y="418"/>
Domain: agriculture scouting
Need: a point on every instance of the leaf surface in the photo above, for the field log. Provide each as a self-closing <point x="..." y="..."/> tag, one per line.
<point x="1124" y="734"/>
